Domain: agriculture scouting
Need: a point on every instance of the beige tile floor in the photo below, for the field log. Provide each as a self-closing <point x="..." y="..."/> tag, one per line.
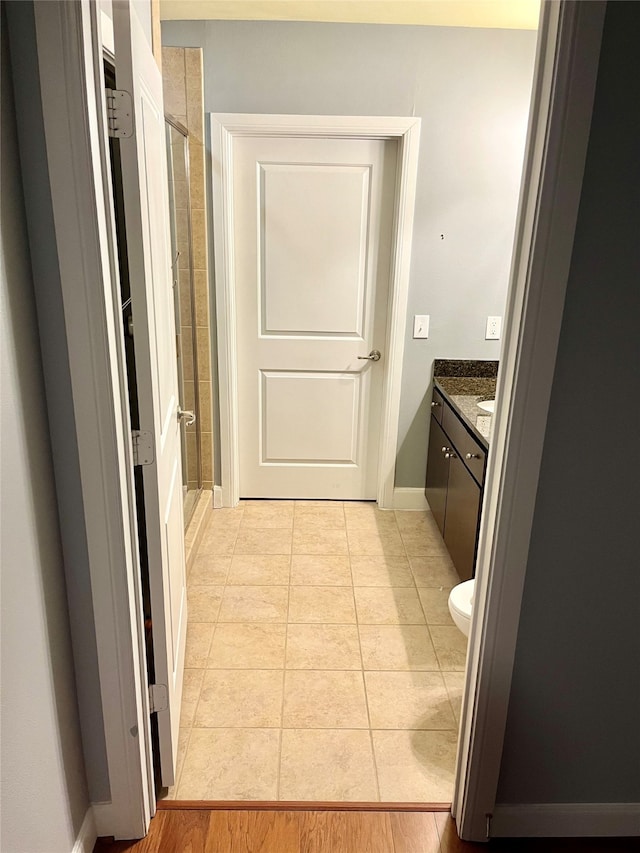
<point x="322" y="663"/>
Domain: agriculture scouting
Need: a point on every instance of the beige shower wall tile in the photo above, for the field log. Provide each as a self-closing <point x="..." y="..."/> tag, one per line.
<point x="174" y="80"/>
<point x="193" y="61"/>
<point x="186" y="351"/>
<point x="195" y="106"/>
<point x="184" y="285"/>
<point x="204" y="358"/>
<point x="178" y="160"/>
<point x="189" y="396"/>
<point x="206" y="439"/>
<point x="199" y="234"/>
<point x="192" y="461"/>
<point x="206" y="416"/>
<point x="201" y="286"/>
<point x="180" y="193"/>
<point x="196" y="175"/>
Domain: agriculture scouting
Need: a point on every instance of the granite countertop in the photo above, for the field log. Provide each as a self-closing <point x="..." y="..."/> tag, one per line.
<point x="465" y="384"/>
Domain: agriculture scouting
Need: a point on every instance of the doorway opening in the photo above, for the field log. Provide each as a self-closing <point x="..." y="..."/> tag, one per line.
<point x="394" y="561"/>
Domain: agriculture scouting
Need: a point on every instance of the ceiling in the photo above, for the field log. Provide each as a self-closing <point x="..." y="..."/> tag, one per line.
<point x="501" y="14"/>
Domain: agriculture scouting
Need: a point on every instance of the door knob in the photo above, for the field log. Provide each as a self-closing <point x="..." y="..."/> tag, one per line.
<point x="188" y="417"/>
<point x="374" y="355"/>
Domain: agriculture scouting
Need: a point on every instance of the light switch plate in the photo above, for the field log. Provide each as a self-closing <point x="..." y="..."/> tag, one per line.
<point x="494" y="329"/>
<point x="421" y="326"/>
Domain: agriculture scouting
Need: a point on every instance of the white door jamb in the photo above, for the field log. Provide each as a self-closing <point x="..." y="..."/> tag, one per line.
<point x="562" y="103"/>
<point x="224" y="127"/>
<point x="74" y="117"/>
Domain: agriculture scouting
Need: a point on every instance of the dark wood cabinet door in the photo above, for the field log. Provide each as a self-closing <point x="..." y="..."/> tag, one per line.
<point x="437" y="473"/>
<point x="463" y="514"/>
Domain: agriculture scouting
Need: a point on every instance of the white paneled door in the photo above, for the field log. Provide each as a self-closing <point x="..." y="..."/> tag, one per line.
<point x="312" y="230"/>
<point x="144" y="173"/>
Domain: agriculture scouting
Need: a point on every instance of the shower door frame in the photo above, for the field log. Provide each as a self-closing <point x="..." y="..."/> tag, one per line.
<point x="184" y="131"/>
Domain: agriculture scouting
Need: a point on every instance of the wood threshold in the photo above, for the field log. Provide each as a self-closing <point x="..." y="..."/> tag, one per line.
<point x="298" y="806"/>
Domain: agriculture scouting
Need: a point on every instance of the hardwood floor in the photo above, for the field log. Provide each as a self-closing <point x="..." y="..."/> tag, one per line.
<point x="235" y="831"/>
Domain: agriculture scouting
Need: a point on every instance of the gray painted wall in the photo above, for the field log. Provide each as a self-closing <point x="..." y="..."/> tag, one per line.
<point x="472" y="88"/>
<point x="573" y="729"/>
<point x="53" y="343"/>
<point x="44" y="793"/>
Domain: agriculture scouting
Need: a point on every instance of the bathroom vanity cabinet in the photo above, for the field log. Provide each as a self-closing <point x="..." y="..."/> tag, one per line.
<point x="456" y="463"/>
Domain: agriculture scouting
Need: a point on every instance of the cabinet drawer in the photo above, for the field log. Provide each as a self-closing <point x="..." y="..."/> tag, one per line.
<point x="437" y="405"/>
<point x="472" y="454"/>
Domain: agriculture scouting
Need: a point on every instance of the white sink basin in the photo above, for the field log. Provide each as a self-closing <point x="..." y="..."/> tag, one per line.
<point x="487" y="405"/>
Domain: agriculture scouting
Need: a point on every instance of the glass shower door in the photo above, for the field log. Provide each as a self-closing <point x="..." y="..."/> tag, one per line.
<point x="177" y="138"/>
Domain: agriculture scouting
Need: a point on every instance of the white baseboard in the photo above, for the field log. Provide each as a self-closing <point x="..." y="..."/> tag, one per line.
<point x="409" y="499"/>
<point x="217" y="497"/>
<point x="102" y="818"/>
<point x="566" y="820"/>
<point x="86" y="840"/>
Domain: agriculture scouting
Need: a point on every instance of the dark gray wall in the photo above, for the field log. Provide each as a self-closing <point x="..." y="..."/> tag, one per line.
<point x="44" y="792"/>
<point x="471" y="87"/>
<point x="53" y="343"/>
<point x="573" y="729"/>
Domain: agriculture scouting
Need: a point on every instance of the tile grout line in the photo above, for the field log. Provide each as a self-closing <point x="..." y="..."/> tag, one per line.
<point x="366" y="692"/>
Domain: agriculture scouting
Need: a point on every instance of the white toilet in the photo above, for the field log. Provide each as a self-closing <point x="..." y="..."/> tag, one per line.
<point x="460" y="604"/>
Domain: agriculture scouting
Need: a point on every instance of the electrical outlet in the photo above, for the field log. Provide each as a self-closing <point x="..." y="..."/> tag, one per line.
<point x="421" y="326"/>
<point x="494" y="328"/>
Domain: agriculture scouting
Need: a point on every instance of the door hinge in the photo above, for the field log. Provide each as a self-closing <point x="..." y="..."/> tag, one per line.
<point x="489" y="816"/>
<point x="119" y="113"/>
<point x="142" y="443"/>
<point x="158" y="698"/>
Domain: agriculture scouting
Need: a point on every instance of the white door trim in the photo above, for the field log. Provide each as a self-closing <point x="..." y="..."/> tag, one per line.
<point x="226" y="126"/>
<point x="69" y="51"/>
<point x="562" y="102"/>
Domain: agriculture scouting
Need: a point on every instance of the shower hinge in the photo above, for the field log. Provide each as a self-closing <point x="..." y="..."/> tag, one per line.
<point x="158" y="698"/>
<point x="142" y="443"/>
<point x="119" y="113"/>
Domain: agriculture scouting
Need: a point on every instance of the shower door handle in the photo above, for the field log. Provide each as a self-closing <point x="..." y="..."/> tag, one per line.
<point x="189" y="418"/>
